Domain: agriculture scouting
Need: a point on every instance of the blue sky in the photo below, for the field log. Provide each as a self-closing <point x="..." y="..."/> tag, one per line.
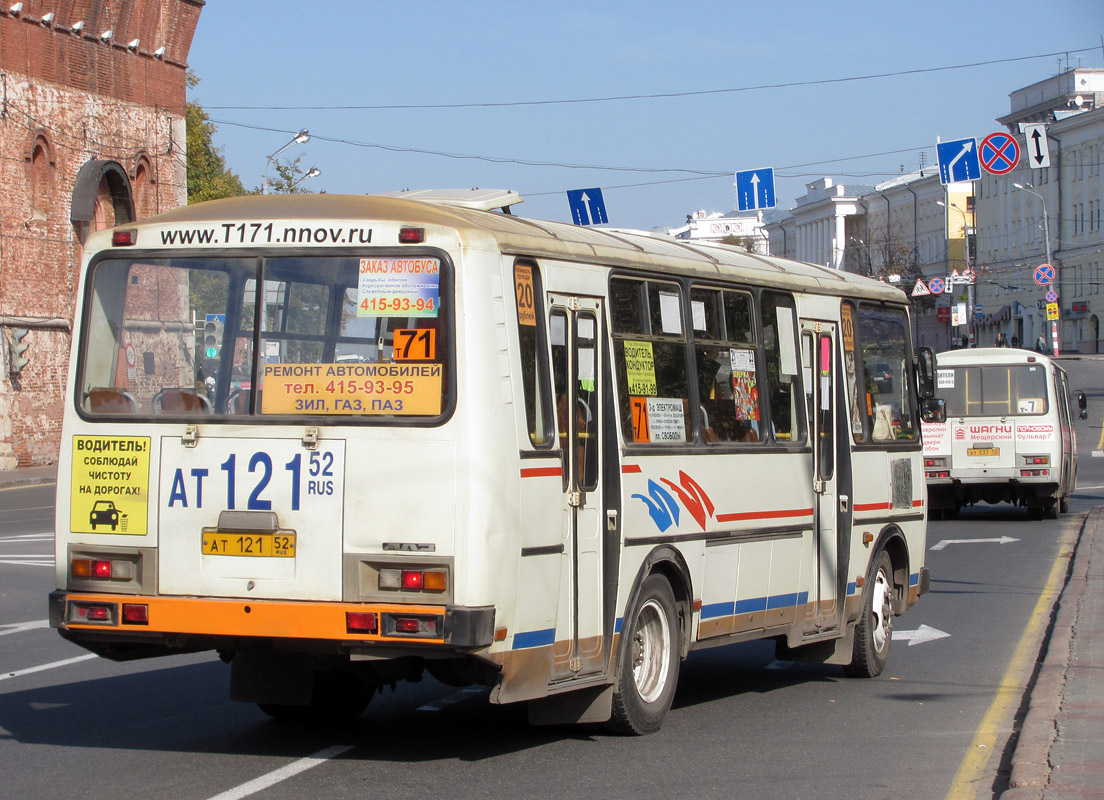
<point x="334" y="55"/>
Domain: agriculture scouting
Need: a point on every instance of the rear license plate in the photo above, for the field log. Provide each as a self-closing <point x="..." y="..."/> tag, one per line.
<point x="261" y="545"/>
<point x="983" y="452"/>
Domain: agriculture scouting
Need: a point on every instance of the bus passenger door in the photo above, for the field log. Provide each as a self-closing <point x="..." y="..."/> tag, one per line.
<point x="818" y="353"/>
<point x="575" y="328"/>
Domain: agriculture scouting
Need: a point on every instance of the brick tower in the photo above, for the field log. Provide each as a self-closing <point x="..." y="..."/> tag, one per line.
<point x="92" y="96"/>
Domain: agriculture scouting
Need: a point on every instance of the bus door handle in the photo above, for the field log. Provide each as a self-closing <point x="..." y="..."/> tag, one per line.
<point x="844" y="503"/>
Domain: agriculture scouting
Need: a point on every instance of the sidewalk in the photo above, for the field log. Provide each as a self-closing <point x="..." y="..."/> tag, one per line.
<point x="27" y="476"/>
<point x="1060" y="752"/>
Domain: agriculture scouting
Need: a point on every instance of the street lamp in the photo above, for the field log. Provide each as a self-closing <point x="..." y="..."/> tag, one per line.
<point x="300" y="138"/>
<point x="313" y="172"/>
<point x="1056" y="330"/>
<point x="970" y="329"/>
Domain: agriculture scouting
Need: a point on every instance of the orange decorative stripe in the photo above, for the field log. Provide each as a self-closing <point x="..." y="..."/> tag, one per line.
<point x="783" y="514"/>
<point x="287" y="620"/>
<point x="918" y="503"/>
<point x="542" y="472"/>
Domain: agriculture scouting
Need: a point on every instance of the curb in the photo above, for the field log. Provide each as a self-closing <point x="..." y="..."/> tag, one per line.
<point x="1031" y="759"/>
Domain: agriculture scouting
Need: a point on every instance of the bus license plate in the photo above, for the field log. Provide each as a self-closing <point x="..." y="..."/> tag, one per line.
<point x="983" y="452"/>
<point x="261" y="545"/>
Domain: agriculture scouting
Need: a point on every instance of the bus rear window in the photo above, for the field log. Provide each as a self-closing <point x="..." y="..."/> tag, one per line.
<point x="349" y="336"/>
<point x="1016" y="390"/>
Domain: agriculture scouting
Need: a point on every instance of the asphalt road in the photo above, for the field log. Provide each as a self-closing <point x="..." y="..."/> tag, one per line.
<point x="743" y="725"/>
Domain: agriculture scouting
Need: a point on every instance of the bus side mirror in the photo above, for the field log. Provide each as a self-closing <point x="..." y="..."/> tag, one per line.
<point x="1082" y="405"/>
<point x="925" y="372"/>
<point x="933" y="409"/>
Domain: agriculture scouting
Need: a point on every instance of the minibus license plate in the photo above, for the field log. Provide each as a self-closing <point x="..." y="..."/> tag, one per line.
<point x="983" y="452"/>
<point x="261" y="545"/>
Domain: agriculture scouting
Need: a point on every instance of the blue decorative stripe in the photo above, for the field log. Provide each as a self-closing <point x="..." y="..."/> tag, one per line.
<point x="617" y="625"/>
<point x="852" y="588"/>
<point x="914" y="579"/>
<point x="534" y="638"/>
<point x="750" y="605"/>
<point x="717" y="610"/>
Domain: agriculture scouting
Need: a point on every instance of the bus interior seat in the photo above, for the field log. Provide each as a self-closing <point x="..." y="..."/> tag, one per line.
<point x="109" y="400"/>
<point x="180" y="401"/>
<point x="238" y="401"/>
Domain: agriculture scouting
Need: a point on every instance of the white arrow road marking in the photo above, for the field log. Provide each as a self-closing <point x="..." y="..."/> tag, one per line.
<point x="1002" y="540"/>
<point x="283" y="773"/>
<point x="966" y="148"/>
<point x="920" y="635"/>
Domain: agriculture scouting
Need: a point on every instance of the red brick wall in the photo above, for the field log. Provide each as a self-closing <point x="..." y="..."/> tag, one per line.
<point x="80" y="99"/>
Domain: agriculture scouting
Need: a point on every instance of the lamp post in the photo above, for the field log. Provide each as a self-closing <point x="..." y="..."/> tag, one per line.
<point x="300" y="138"/>
<point x="1055" y="325"/>
<point x="313" y="172"/>
<point x="970" y="325"/>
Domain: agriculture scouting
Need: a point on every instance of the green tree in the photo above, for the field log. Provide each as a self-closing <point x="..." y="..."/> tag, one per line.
<point x="289" y="178"/>
<point x="208" y="176"/>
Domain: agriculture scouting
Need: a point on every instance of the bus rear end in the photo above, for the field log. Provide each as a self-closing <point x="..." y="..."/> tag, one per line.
<point x="253" y="456"/>
<point x="1007" y="435"/>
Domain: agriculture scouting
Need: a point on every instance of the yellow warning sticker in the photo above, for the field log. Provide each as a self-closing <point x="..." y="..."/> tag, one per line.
<point x="110" y="485"/>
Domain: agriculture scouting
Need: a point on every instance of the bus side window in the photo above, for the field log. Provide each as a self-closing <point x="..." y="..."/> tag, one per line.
<point x="787" y="420"/>
<point x="650" y="349"/>
<point x="534" y="370"/>
<point x="888" y="405"/>
<point x="726" y="364"/>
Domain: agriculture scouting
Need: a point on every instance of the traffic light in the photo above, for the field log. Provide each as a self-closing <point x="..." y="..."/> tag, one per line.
<point x="19" y="345"/>
<point x="212" y="335"/>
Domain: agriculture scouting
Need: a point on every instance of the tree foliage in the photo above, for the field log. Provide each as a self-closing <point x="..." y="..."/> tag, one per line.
<point x="208" y="176"/>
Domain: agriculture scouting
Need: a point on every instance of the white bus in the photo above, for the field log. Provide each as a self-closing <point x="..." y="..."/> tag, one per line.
<point x="1008" y="436"/>
<point x="346" y="440"/>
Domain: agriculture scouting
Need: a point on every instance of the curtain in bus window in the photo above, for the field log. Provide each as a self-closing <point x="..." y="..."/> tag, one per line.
<point x="888" y="406"/>
<point x="650" y="352"/>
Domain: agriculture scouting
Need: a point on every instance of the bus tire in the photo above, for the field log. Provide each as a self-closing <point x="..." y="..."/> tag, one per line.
<point x="1063" y="504"/>
<point x="649" y="661"/>
<point x="874" y="630"/>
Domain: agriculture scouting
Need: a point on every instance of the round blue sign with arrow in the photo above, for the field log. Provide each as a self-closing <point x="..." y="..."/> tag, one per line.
<point x="1044" y="274"/>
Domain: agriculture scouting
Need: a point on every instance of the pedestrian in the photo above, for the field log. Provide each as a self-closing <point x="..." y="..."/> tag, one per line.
<point x="1040" y="344"/>
<point x="1015" y="340"/>
<point x="1000" y="342"/>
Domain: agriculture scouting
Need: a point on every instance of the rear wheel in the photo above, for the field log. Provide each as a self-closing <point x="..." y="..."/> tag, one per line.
<point x="874" y="631"/>
<point x="649" y="661"/>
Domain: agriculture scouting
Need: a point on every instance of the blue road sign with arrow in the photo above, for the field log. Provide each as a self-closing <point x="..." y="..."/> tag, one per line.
<point x="755" y="189"/>
<point x="587" y="206"/>
<point x="958" y="161"/>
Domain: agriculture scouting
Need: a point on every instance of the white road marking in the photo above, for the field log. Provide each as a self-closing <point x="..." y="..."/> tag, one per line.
<point x="283" y="773"/>
<point x="33" y="561"/>
<point x="29" y="537"/>
<point x="920" y="635"/>
<point x="43" y="667"/>
<point x="943" y="543"/>
<point x="19" y="627"/>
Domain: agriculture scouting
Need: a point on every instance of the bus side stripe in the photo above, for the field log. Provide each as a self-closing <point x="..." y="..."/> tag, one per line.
<point x="534" y="638"/>
<point x="541" y="472"/>
<point x="782" y="514"/>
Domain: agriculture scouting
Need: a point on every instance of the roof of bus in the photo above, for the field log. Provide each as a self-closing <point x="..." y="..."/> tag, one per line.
<point x="538" y="238"/>
<point x="991" y="355"/>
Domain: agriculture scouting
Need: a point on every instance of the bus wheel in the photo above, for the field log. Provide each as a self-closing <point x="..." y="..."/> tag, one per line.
<point x="874" y="631"/>
<point x="1063" y="504"/>
<point x="649" y="661"/>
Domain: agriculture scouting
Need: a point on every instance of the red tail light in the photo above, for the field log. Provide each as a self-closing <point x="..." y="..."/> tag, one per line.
<point x="361" y="622"/>
<point x="135" y="614"/>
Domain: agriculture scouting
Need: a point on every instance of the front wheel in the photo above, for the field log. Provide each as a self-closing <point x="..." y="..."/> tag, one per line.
<point x="649" y="661"/>
<point x="874" y="631"/>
